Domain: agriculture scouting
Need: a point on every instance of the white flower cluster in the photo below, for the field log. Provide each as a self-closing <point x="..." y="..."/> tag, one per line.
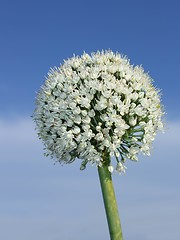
<point x="96" y="103"/>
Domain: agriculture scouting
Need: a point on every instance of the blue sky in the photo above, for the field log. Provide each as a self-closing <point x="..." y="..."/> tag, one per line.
<point x="42" y="201"/>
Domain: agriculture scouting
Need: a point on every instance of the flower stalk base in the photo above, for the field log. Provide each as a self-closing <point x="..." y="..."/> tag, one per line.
<point x="110" y="202"/>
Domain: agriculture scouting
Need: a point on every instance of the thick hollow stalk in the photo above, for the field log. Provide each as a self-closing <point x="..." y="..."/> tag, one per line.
<point x="110" y="202"/>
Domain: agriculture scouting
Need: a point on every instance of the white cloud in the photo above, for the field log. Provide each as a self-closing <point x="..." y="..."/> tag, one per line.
<point x="17" y="132"/>
<point x="51" y="202"/>
<point x="171" y="137"/>
<point x="18" y="139"/>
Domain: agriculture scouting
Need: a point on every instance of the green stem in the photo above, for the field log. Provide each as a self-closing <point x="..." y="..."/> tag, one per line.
<point x="110" y="200"/>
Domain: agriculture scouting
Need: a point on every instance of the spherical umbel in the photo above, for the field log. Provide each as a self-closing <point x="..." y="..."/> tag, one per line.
<point x="98" y="103"/>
